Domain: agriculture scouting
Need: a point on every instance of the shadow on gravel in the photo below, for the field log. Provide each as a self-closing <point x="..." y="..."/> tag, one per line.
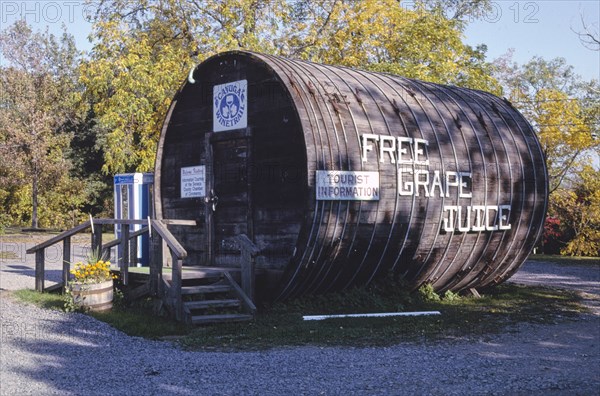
<point x="26" y="271"/>
<point x="585" y="280"/>
<point x="76" y="355"/>
<point x="580" y="278"/>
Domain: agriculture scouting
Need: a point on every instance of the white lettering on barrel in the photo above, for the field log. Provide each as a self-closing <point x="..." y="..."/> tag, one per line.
<point x="366" y="146"/>
<point x="391" y="149"/>
<point x="415" y="178"/>
<point x="486" y="218"/>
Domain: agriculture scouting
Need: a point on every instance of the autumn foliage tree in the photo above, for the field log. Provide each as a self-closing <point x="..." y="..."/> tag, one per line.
<point x="565" y="112"/>
<point x="579" y="209"/>
<point x="145" y="49"/>
<point x="37" y="82"/>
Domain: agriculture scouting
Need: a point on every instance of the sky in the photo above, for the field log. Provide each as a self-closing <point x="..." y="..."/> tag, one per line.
<point x="531" y="28"/>
<point x="539" y="28"/>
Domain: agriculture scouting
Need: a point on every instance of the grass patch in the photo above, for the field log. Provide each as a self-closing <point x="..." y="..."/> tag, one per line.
<point x="282" y="325"/>
<point x="138" y="319"/>
<point x="566" y="260"/>
<point x="135" y="319"/>
<point x="44" y="300"/>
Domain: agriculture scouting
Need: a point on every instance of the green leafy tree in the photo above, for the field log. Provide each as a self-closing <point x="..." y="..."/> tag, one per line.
<point x="37" y="104"/>
<point x="579" y="209"/>
<point x="381" y="35"/>
<point x="130" y="82"/>
<point x="143" y="52"/>
<point x="564" y="110"/>
<point x="144" y="49"/>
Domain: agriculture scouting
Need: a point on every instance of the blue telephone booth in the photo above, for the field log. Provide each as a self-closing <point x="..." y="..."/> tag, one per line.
<point x="133" y="193"/>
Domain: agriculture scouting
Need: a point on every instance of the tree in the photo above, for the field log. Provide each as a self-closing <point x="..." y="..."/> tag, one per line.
<point x="579" y="209"/>
<point x="144" y="49"/>
<point x="588" y="34"/>
<point x="562" y="108"/>
<point x="38" y="102"/>
<point x="130" y="83"/>
<point x="380" y="35"/>
<point x="565" y="112"/>
<point x="458" y="10"/>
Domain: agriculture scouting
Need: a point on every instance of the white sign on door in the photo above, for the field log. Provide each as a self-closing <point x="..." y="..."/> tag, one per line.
<point x="193" y="182"/>
<point x="347" y="186"/>
<point x="230" y="106"/>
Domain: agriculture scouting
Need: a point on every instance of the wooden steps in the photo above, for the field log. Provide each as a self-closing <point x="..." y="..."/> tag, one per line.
<point x="205" y="304"/>
<point x="221" y="288"/>
<point x="211" y="295"/>
<point x="225" y="318"/>
<point x="201" y="273"/>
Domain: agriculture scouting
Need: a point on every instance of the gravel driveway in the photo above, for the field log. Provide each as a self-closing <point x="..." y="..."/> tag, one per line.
<point x="49" y="352"/>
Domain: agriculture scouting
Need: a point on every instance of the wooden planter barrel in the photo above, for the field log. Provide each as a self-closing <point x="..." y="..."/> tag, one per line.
<point x="341" y="175"/>
<point x="93" y="296"/>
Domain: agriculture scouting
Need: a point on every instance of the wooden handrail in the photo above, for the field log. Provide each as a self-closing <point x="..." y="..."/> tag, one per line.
<point x="65" y="237"/>
<point x="178" y="253"/>
<point x="164" y="233"/>
<point x="173" y="244"/>
<point x="246" y="300"/>
<point x="248" y="250"/>
<point x="159" y="228"/>
<point x="245" y="244"/>
<point x="116" y="242"/>
<point x="77" y="229"/>
<point x="59" y="237"/>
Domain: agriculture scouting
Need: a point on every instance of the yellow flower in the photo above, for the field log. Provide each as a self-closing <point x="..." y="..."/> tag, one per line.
<point x="92" y="272"/>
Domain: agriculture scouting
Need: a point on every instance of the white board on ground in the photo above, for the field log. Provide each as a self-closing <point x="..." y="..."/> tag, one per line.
<point x="370" y="315"/>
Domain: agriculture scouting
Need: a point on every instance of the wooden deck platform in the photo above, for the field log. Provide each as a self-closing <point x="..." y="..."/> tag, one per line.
<point x="188" y="293"/>
<point x="188" y="272"/>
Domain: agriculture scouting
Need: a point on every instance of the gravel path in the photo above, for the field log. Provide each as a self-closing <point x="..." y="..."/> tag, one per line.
<point x="49" y="352"/>
<point x="583" y="279"/>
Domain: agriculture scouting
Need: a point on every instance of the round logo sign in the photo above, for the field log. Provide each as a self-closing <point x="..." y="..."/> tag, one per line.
<point x="230" y="106"/>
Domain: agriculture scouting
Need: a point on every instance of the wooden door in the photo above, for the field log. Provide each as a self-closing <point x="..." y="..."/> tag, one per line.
<point x="229" y="199"/>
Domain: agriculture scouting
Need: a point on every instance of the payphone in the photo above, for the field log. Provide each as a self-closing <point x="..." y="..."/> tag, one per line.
<point x="133" y="193"/>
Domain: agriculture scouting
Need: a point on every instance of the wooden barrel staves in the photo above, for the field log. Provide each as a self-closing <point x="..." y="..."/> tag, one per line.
<point x="93" y="296"/>
<point x="340" y="176"/>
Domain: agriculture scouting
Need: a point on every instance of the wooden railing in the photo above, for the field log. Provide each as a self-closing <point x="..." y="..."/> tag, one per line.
<point x="247" y="302"/>
<point x="157" y="286"/>
<point x="96" y="246"/>
<point x="127" y="242"/>
<point x="247" y="266"/>
<point x="162" y="243"/>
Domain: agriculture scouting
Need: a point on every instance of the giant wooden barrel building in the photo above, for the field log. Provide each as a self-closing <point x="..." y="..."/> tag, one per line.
<point x="339" y="176"/>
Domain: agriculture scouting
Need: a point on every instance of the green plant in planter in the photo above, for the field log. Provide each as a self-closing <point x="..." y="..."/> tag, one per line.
<point x="96" y="269"/>
<point x="89" y="276"/>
